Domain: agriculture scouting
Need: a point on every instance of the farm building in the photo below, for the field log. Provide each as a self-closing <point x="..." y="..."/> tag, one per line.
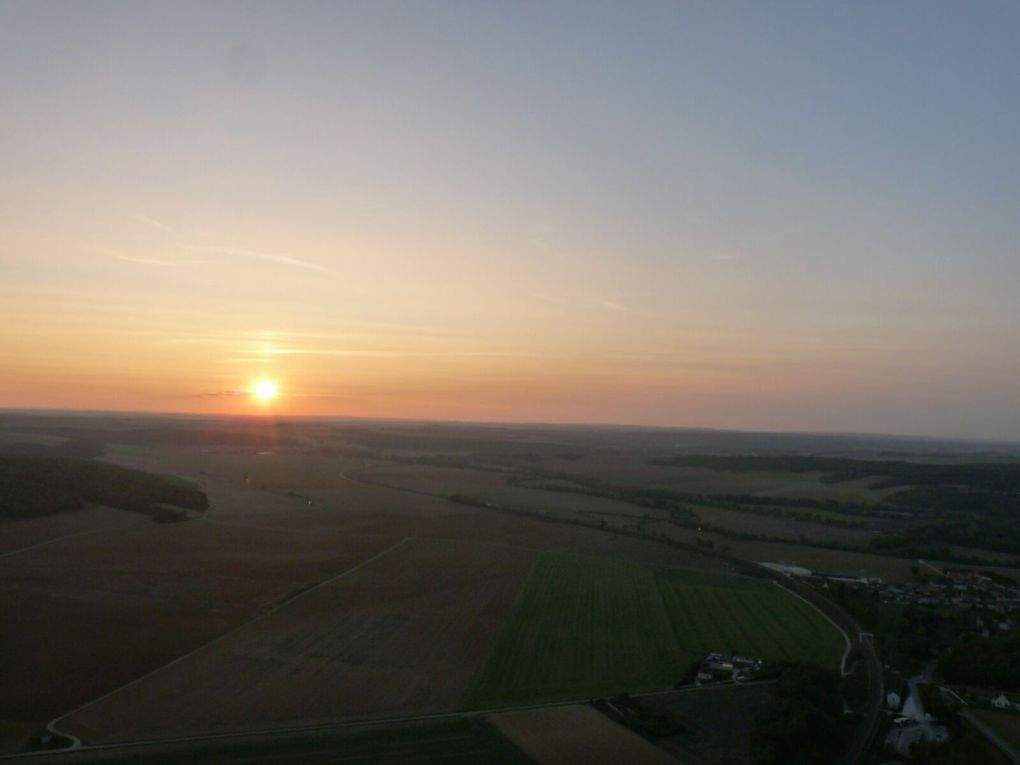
<point x="1002" y="701"/>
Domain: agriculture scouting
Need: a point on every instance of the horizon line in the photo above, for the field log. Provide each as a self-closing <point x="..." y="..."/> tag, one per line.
<point x="53" y="411"/>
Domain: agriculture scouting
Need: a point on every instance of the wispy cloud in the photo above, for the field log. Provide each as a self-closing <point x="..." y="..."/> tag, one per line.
<point x="612" y="306"/>
<point x="223" y="250"/>
<point x="160" y="261"/>
<point x="158" y="225"/>
<point x="261" y="354"/>
<point x="269" y="257"/>
<point x="145" y="261"/>
<point x="219" y="394"/>
<point x="589" y="300"/>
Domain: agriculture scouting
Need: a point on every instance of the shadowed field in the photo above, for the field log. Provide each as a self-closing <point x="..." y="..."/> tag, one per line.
<point x="400" y="635"/>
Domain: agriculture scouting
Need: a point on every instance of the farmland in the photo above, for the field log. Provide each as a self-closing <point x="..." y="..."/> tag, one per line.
<point x="331" y="579"/>
<point x="443" y="742"/>
<point x="716" y="721"/>
<point x="588" y="627"/>
<point x="576" y="734"/>
<point x="162" y="590"/>
<point x="387" y="639"/>
<point x="1006" y="724"/>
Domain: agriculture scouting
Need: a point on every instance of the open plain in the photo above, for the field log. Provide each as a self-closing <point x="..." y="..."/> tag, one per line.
<point x="344" y="574"/>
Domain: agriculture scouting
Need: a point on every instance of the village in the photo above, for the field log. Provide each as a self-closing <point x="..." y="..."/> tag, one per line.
<point x="921" y="707"/>
<point x="932" y="588"/>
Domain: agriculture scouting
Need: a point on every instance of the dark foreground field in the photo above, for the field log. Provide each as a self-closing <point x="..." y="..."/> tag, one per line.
<point x="446" y="742"/>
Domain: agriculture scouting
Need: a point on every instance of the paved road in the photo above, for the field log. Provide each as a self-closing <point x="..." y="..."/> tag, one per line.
<point x="868" y="728"/>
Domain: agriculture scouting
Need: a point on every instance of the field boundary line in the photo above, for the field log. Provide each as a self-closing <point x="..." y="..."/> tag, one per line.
<point x="427" y="537"/>
<point x="379" y="722"/>
<point x="51" y="725"/>
<point x="284" y="530"/>
<point x="131" y="527"/>
<point x="846" y="638"/>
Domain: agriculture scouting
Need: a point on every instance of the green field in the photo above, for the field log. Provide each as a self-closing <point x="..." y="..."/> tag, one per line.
<point x="586" y="627"/>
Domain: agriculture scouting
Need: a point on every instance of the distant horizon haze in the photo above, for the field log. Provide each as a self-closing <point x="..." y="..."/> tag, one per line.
<point x="269" y="416"/>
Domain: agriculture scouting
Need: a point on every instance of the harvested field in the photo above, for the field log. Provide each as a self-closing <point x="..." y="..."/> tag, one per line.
<point x="492" y="487"/>
<point x="577" y="734"/>
<point x="29" y="532"/>
<point x="1006" y="724"/>
<point x="94" y="611"/>
<point x="633" y="470"/>
<point x="402" y="634"/>
<point x="587" y="627"/>
<point x="776" y="526"/>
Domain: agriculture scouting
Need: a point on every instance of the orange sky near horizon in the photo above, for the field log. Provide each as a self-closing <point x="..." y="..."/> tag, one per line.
<point x="663" y="214"/>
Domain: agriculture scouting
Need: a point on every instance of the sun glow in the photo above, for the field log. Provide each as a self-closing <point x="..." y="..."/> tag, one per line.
<point x="265" y="390"/>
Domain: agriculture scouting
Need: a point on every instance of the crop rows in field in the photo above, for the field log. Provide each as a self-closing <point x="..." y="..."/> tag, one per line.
<point x="400" y="635"/>
<point x="587" y="626"/>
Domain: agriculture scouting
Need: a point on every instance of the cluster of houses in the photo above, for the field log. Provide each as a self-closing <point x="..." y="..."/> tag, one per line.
<point x="959" y="590"/>
<point x="906" y="732"/>
<point x="945" y="589"/>
<point x="718" y="667"/>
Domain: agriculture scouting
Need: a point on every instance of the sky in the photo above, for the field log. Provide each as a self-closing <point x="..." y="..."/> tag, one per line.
<point x="761" y="215"/>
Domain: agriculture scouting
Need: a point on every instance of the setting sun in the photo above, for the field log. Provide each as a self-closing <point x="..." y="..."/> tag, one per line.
<point x="265" y="390"/>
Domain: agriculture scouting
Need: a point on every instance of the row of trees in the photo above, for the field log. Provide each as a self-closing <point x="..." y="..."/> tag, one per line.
<point x="41" y="485"/>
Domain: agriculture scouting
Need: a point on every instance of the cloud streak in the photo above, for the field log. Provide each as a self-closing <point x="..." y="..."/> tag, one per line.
<point x="158" y="225"/>
<point x="255" y="356"/>
<point x="220" y="394"/>
<point x="160" y="261"/>
<point x="223" y="250"/>
<point x="268" y="257"/>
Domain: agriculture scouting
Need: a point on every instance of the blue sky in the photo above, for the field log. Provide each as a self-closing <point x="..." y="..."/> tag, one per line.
<point x="777" y="215"/>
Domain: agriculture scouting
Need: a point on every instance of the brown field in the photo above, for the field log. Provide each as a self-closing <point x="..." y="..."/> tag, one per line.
<point x="1006" y="724"/>
<point x="775" y="526"/>
<point x="29" y="532"/>
<point x="310" y="592"/>
<point x="164" y="590"/>
<point x="577" y="734"/>
<point x="94" y="611"/>
<point x="12" y="438"/>
<point x="844" y="562"/>
<point x="493" y="488"/>
<point x="401" y="635"/>
<point x="635" y="470"/>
